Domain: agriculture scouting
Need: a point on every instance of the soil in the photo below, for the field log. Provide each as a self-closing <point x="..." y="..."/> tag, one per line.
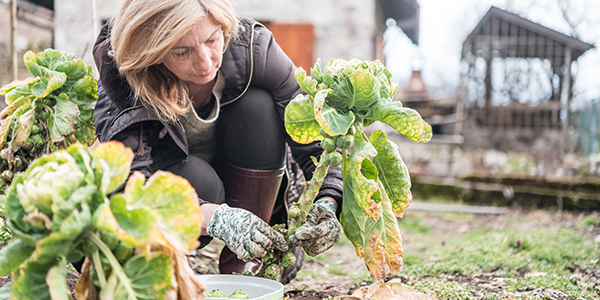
<point x="318" y="279"/>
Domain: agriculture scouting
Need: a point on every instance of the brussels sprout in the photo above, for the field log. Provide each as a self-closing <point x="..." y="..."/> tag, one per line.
<point x="288" y="260"/>
<point x="333" y="159"/>
<point x="273" y="272"/>
<point x="17" y="163"/>
<point x="217" y="294"/>
<point x="239" y="294"/>
<point x="36" y="128"/>
<point x="345" y="142"/>
<point x="38" y="141"/>
<point x="352" y="130"/>
<point x="110" y="239"/>
<point x="294" y="212"/>
<point x="51" y="101"/>
<point x="123" y="253"/>
<point x="88" y="247"/>
<point x="324" y="134"/>
<point x="28" y="145"/>
<point x="328" y="145"/>
<point x="7" y="175"/>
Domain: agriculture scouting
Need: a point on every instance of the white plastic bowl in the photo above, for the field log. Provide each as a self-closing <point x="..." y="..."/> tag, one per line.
<point x="256" y="287"/>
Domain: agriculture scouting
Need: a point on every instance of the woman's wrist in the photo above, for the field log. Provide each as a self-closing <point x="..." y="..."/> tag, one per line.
<point x="207" y="211"/>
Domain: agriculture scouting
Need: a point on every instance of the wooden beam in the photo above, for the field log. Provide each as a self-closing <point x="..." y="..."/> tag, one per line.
<point x="13" y="38"/>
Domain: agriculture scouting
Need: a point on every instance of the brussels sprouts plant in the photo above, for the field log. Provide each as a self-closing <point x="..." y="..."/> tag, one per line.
<point x="49" y="111"/>
<point x="134" y="243"/>
<point x="340" y="99"/>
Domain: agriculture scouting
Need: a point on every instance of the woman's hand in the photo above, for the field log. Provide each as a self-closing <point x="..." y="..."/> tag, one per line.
<point x="245" y="234"/>
<point x="323" y="228"/>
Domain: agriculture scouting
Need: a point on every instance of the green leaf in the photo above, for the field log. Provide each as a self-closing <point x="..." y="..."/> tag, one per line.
<point x="307" y="83"/>
<point x="383" y="245"/>
<point x="29" y="282"/>
<point x="57" y="280"/>
<point x="406" y="121"/>
<point x="332" y="120"/>
<point x="150" y="278"/>
<point x="392" y="171"/>
<point x="86" y="89"/>
<point x="131" y="225"/>
<point x="58" y="243"/>
<point x="357" y="90"/>
<point x="13" y="255"/>
<point x="64" y="118"/>
<point x="44" y="87"/>
<point x="74" y="69"/>
<point x="114" y="159"/>
<point x="300" y="121"/>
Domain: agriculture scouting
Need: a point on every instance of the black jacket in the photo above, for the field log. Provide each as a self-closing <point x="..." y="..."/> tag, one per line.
<point x="252" y="58"/>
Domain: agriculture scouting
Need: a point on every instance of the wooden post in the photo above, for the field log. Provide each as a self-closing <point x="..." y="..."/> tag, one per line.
<point x="566" y="89"/>
<point x="13" y="38"/>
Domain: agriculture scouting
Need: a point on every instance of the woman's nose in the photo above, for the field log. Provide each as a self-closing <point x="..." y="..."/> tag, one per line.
<point x="203" y="60"/>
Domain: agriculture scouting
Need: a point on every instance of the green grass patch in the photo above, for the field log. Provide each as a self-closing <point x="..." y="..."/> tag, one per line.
<point x="506" y="253"/>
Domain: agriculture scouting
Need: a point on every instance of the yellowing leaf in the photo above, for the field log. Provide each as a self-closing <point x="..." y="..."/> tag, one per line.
<point x="115" y="161"/>
<point x="164" y="209"/>
<point x="383" y="245"/>
<point x="392" y="172"/>
<point x="300" y="121"/>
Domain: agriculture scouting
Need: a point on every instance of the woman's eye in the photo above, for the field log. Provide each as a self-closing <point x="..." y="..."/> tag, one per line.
<point x="184" y="53"/>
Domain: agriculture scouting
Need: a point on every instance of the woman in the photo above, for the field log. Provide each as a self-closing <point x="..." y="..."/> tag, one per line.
<point x="199" y="92"/>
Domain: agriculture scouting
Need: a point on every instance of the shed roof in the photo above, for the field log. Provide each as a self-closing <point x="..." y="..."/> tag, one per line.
<point x="513" y="36"/>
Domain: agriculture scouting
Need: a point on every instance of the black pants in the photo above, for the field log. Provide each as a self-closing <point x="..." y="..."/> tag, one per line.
<point x="250" y="134"/>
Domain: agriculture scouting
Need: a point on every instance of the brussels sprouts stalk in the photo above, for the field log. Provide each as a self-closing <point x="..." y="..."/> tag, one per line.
<point x="114" y="263"/>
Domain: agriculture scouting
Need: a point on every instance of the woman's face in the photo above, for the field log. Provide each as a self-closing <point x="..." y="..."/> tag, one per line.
<point x="197" y="55"/>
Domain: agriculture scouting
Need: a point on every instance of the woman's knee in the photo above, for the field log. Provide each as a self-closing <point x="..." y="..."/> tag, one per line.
<point x="202" y="177"/>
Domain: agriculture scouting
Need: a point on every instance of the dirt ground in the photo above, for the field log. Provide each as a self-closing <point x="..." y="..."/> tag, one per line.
<point x="319" y="279"/>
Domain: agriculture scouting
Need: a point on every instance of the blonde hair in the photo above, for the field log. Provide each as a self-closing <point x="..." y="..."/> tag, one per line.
<point x="144" y="31"/>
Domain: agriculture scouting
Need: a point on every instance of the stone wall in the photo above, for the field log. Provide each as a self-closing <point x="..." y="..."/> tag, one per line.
<point x="343" y="29"/>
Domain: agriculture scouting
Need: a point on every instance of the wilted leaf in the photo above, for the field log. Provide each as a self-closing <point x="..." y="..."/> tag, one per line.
<point x="406" y="121"/>
<point x="65" y="118"/>
<point x="24" y="130"/>
<point x="392" y="171"/>
<point x="383" y="244"/>
<point x="300" y="121"/>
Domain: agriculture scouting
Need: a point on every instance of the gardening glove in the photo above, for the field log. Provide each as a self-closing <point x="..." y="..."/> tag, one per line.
<point x="323" y="229"/>
<point x="246" y="235"/>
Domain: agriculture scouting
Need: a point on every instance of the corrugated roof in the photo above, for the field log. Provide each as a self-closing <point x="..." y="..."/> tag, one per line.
<point x="513" y="36"/>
